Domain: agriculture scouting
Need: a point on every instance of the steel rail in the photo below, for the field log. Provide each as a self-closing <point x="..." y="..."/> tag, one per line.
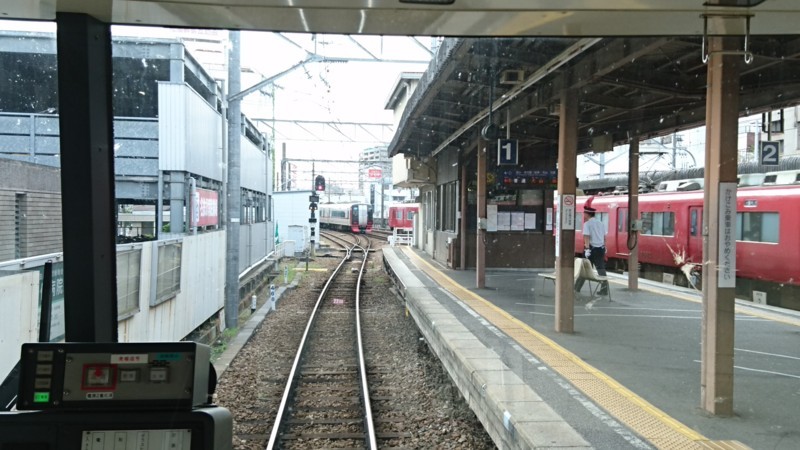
<point x="338" y="240"/>
<point x="369" y="425"/>
<point x="279" y="418"/>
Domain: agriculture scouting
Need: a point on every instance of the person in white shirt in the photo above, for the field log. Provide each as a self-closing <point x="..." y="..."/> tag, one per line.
<point x="594" y="246"/>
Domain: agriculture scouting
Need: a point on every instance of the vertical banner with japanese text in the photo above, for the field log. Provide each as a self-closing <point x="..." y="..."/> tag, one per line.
<point x="726" y="274"/>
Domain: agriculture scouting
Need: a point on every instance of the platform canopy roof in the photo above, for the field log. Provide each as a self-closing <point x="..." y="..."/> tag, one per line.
<point x="428" y="17"/>
<point x="481" y="88"/>
<point x="648" y="79"/>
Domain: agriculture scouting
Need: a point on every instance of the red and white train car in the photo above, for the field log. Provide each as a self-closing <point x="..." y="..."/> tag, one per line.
<point x="355" y="217"/>
<point x="767" y="237"/>
<point x="401" y="215"/>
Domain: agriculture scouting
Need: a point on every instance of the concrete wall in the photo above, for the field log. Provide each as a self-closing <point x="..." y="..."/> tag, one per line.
<point x="201" y="296"/>
<point x="19" y="298"/>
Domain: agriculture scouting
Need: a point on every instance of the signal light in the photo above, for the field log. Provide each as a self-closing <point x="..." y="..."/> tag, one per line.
<point x="319" y="183"/>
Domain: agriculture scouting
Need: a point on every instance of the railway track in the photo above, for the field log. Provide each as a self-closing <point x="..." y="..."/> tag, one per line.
<point x="381" y="235"/>
<point x="361" y="241"/>
<point x="326" y="400"/>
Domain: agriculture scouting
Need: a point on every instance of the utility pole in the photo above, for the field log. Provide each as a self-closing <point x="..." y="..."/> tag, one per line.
<point x="234" y="199"/>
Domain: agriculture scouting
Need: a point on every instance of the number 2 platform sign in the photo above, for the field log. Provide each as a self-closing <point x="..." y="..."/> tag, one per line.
<point x="770" y="153"/>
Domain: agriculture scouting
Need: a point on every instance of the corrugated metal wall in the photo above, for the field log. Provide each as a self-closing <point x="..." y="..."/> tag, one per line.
<point x="254" y="167"/>
<point x="190" y="132"/>
<point x="39" y="223"/>
<point x="30" y="137"/>
<point x="135" y="147"/>
<point x="252" y="244"/>
<point x="7" y="225"/>
<point x="30" y="224"/>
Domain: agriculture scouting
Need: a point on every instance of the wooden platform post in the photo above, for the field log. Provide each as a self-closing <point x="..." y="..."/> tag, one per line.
<point x="480" y="245"/>
<point x="719" y="219"/>
<point x="633" y="214"/>
<point x="567" y="162"/>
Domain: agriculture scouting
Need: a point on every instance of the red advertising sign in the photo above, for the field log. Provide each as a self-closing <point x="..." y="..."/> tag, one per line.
<point x="374" y="173"/>
<point x="205" y="207"/>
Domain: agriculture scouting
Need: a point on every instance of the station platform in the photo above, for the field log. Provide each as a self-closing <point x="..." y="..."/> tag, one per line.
<point x="628" y="377"/>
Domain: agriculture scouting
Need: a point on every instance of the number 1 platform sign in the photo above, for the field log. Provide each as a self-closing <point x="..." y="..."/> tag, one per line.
<point x="507" y="154"/>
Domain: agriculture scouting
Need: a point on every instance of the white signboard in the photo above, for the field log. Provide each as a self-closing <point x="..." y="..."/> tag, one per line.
<point x="517" y="221"/>
<point x="726" y="274"/>
<point x="567" y="212"/>
<point x="503" y="221"/>
<point x="558" y="221"/>
<point x="530" y="221"/>
<point x="491" y="218"/>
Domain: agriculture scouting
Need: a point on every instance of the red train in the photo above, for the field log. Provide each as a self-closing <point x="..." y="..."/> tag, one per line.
<point x="401" y="215"/>
<point x="767" y="239"/>
<point x="355" y="217"/>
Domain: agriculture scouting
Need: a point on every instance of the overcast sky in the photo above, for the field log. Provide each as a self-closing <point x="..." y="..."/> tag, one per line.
<point x="344" y="91"/>
<point x="332" y="92"/>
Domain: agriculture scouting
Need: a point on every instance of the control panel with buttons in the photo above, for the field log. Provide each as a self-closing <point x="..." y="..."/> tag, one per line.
<point x="168" y="375"/>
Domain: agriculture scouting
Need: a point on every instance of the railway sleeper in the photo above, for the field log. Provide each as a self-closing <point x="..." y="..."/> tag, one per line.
<point x="329" y="436"/>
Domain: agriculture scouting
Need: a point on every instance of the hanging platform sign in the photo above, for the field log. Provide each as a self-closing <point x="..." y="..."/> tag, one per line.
<point x="507" y="152"/>
<point x="770" y="153"/>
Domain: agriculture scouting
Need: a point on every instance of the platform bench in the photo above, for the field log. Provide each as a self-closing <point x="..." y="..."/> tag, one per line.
<point x="548" y="276"/>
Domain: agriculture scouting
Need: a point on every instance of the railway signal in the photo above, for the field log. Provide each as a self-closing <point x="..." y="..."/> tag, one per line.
<point x="319" y="183"/>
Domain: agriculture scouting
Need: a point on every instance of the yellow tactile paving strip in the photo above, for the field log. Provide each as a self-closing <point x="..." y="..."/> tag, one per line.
<point x="654" y="425"/>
